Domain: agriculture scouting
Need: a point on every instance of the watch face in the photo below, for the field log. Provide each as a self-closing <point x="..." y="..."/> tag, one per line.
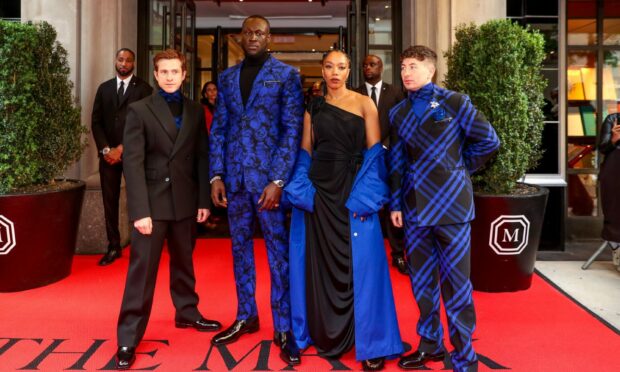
<point x="105" y="151"/>
<point x="279" y="183"/>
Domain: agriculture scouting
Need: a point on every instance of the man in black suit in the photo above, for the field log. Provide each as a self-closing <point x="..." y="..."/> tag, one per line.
<point x="166" y="170"/>
<point x="385" y="97"/>
<point x="108" y="123"/>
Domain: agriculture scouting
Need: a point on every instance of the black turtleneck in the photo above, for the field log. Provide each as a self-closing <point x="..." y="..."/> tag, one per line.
<point x="249" y="70"/>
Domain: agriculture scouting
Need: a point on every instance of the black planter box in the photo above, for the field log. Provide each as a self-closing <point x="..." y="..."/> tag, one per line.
<point x="504" y="240"/>
<point x="37" y="237"/>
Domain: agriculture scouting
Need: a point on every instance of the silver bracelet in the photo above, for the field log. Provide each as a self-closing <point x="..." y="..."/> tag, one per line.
<point x="215" y="178"/>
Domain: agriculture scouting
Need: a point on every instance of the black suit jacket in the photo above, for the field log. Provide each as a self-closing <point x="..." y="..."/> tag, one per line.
<point x="389" y="97"/>
<point x="166" y="169"/>
<point x="108" y="118"/>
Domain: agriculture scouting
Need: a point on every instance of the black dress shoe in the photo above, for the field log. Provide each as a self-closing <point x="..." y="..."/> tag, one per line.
<point x="400" y="264"/>
<point x="375" y="364"/>
<point x="109" y="257"/>
<point x="418" y="359"/>
<point x="202" y="325"/>
<point x="289" y="352"/>
<point x="232" y="333"/>
<point x="125" y="356"/>
<point x="277" y="338"/>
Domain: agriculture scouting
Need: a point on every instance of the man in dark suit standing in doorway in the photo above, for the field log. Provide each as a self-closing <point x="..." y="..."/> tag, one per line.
<point x="385" y="97"/>
<point x="108" y="123"/>
<point x="166" y="169"/>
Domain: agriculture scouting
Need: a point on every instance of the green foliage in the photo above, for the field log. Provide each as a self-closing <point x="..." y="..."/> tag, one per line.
<point x="40" y="129"/>
<point x="498" y="65"/>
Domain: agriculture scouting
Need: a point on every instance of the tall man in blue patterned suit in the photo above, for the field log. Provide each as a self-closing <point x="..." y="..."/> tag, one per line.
<point x="255" y="136"/>
<point x="438" y="139"/>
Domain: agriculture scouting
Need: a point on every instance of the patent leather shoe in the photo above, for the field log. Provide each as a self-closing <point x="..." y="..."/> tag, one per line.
<point x="232" y="333"/>
<point x="400" y="264"/>
<point x="277" y="338"/>
<point x="419" y="359"/>
<point x="375" y="364"/>
<point x="125" y="356"/>
<point x="289" y="352"/>
<point x="109" y="257"/>
<point x="202" y="325"/>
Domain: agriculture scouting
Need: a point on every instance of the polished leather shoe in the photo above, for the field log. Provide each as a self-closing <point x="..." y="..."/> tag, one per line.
<point x="277" y="338"/>
<point x="289" y="352"/>
<point x="125" y="356"/>
<point x="232" y="333"/>
<point x="202" y="325"/>
<point x="376" y="364"/>
<point x="109" y="257"/>
<point x="418" y="359"/>
<point x="400" y="264"/>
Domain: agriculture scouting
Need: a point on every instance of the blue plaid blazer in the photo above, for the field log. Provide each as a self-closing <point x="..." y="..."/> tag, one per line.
<point x="438" y="139"/>
<point x="253" y="145"/>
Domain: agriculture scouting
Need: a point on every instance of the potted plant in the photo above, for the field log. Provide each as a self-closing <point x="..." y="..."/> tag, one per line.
<point x="498" y="64"/>
<point x="40" y="136"/>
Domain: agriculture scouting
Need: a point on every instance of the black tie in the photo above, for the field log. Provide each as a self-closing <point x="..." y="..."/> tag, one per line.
<point x="373" y="95"/>
<point x="120" y="92"/>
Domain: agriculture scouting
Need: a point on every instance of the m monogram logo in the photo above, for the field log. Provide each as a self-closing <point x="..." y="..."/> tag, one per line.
<point x="7" y="235"/>
<point x="511" y="238"/>
<point x="509" y="235"/>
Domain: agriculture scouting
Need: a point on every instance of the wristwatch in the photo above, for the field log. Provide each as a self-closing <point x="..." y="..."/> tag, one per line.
<point x="106" y="150"/>
<point x="279" y="183"/>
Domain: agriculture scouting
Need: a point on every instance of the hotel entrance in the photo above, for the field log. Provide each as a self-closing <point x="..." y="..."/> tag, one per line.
<point x="302" y="31"/>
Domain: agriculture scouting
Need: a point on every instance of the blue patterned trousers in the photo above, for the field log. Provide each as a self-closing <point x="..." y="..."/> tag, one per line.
<point x="439" y="257"/>
<point x="242" y="208"/>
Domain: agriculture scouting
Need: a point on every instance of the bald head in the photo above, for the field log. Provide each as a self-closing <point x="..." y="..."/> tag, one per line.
<point x="372" y="69"/>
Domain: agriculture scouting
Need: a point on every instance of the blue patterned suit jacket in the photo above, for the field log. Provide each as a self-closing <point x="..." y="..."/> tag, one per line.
<point x="253" y="145"/>
<point x="433" y="153"/>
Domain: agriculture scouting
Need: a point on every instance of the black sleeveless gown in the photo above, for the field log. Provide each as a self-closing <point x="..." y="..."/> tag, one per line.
<point x="339" y="138"/>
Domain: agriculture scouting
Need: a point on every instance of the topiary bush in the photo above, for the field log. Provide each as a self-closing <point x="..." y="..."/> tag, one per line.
<point x="40" y="130"/>
<point x="498" y="64"/>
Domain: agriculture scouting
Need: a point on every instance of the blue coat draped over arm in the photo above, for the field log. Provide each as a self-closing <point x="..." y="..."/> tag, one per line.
<point x="376" y="326"/>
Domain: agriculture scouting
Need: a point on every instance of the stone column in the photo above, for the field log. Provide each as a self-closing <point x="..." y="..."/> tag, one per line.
<point x="433" y="22"/>
<point x="92" y="32"/>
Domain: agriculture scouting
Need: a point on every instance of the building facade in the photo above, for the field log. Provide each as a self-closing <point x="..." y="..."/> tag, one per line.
<point x="582" y="46"/>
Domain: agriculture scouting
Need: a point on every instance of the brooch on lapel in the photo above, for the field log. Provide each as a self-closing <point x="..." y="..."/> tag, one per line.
<point x="439" y="114"/>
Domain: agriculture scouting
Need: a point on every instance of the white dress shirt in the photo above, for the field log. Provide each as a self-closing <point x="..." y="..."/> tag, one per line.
<point x="377" y="89"/>
<point x="125" y="82"/>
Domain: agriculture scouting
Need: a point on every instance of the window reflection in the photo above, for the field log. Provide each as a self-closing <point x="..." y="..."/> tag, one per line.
<point x="582" y="195"/>
<point x="581" y="93"/>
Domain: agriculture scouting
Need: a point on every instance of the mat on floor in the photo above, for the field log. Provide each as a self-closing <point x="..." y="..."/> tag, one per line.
<point x="71" y="325"/>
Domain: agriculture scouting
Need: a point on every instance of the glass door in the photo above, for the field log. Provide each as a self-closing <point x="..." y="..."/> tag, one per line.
<point x="357" y="38"/>
<point x="170" y="24"/>
<point x="374" y="27"/>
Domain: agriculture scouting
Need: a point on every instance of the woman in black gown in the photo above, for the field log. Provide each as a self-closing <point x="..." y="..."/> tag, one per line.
<point x="609" y="145"/>
<point x="338" y="128"/>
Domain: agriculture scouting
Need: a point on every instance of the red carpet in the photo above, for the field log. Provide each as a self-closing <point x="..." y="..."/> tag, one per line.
<point x="70" y="325"/>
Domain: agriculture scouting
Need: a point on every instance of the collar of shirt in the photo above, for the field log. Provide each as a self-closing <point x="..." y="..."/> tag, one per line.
<point x="424" y="94"/>
<point x="126" y="82"/>
<point x="378" y="86"/>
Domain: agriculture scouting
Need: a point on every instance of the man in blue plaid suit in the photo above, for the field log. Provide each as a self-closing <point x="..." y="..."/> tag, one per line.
<point x="438" y="139"/>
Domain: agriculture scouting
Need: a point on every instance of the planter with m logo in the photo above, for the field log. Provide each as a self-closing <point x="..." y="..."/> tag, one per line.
<point x="505" y="238"/>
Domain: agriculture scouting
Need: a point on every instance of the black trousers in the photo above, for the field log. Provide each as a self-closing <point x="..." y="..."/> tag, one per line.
<point x="110" y="177"/>
<point x="394" y="234"/>
<point x="142" y="274"/>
